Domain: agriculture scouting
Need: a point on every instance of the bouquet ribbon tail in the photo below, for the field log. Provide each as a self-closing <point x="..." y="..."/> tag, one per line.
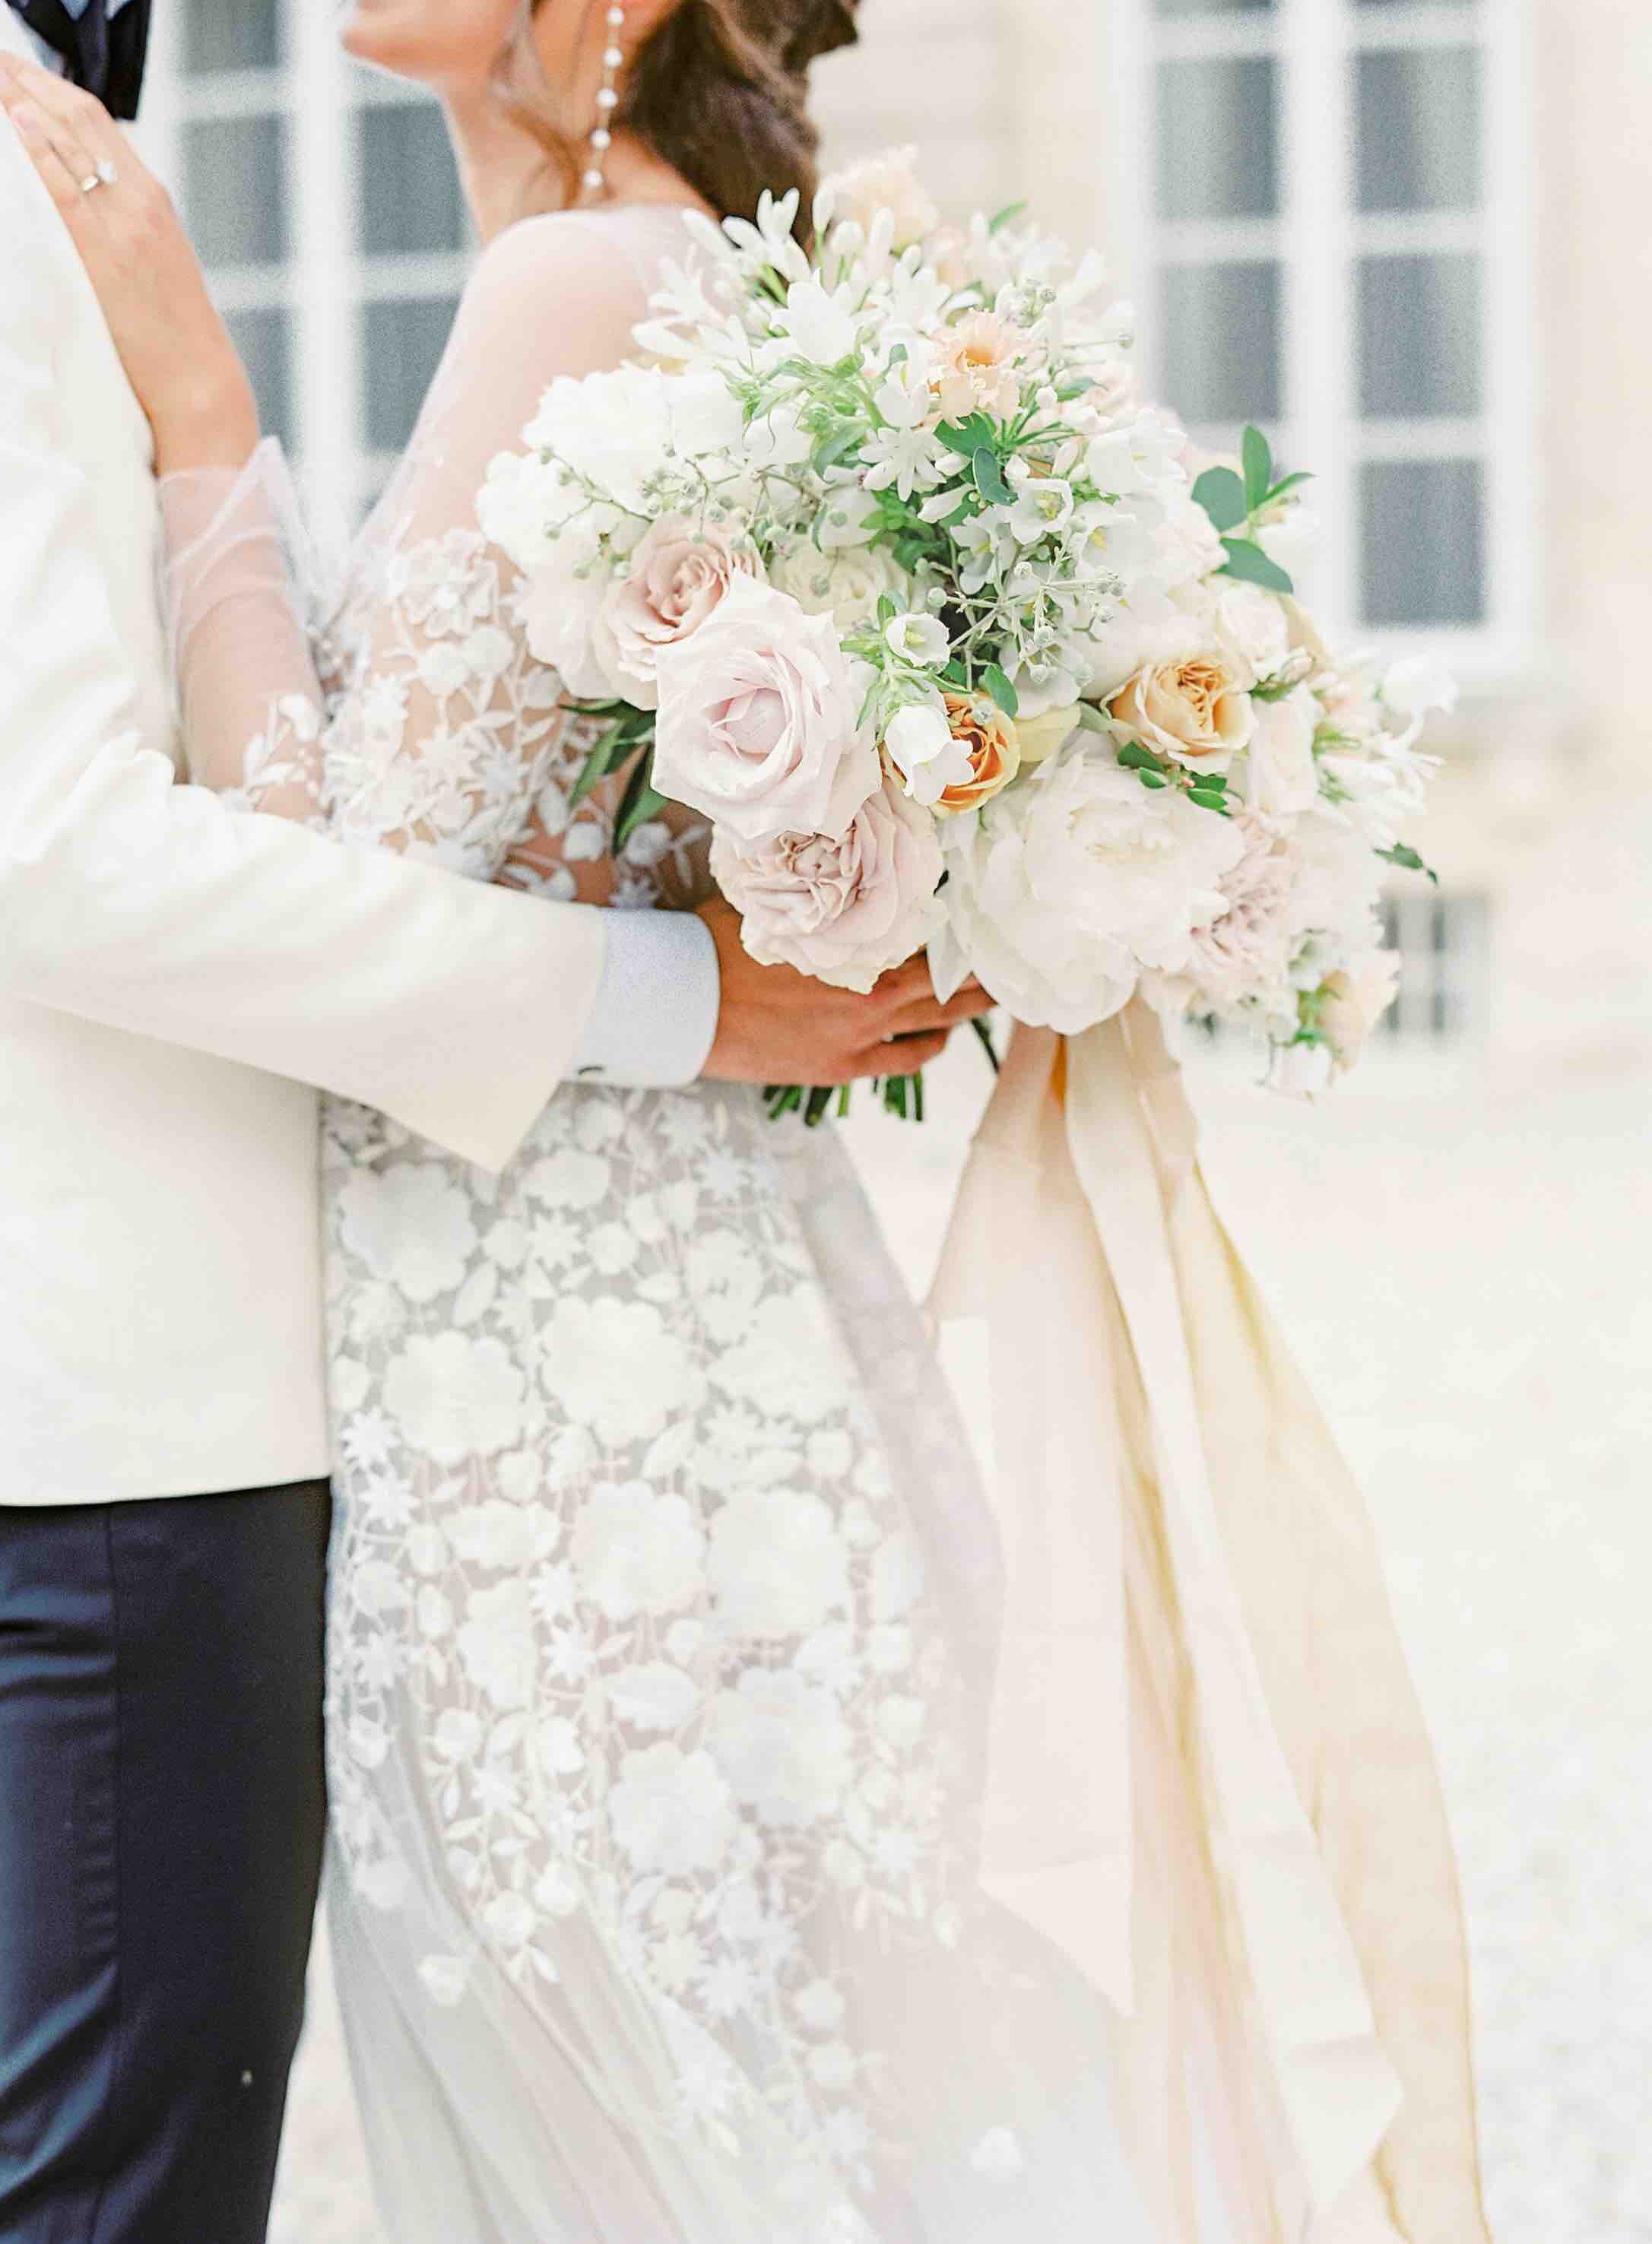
<point x="1208" y="1781"/>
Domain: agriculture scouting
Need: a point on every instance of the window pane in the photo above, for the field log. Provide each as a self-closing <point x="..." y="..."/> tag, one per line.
<point x="1420" y="336"/>
<point x="231" y="34"/>
<point x="235" y="189"/>
<point x="404" y="344"/>
<point x="1423" y="542"/>
<point x="1418" y="130"/>
<point x="411" y="198"/>
<point x="1222" y="342"/>
<point x="264" y="341"/>
<point x="1218" y="139"/>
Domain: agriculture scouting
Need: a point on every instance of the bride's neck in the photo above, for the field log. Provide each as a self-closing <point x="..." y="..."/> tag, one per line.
<point x="507" y="175"/>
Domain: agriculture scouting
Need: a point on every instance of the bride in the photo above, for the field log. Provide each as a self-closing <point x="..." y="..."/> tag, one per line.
<point x="666" y="1608"/>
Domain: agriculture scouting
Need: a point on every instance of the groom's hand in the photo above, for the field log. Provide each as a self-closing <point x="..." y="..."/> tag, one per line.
<point x="778" y="1027"/>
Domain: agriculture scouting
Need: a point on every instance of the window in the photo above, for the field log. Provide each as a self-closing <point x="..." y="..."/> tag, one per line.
<point x="1338" y="247"/>
<point x="327" y="209"/>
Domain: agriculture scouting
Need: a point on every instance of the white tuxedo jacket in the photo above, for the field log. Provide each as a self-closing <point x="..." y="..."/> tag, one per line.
<point x="175" y="976"/>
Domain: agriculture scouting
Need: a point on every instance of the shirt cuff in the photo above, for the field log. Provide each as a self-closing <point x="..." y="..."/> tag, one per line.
<point x="657" y="1007"/>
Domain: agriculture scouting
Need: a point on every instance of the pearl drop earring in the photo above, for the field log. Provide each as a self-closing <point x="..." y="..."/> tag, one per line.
<point x="613" y="58"/>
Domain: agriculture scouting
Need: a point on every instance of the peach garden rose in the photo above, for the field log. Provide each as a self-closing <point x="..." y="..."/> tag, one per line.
<point x="1196" y="709"/>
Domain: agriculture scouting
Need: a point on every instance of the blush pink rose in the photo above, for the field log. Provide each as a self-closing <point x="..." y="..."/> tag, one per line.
<point x="759" y="721"/>
<point x="846" y="910"/>
<point x="680" y="578"/>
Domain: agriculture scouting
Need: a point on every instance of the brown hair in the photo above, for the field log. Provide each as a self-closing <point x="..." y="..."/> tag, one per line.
<point x="720" y="91"/>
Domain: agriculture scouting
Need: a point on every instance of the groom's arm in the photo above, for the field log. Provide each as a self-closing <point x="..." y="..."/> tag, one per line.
<point x="152" y="907"/>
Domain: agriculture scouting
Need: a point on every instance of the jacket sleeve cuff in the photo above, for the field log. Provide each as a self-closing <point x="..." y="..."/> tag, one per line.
<point x="657" y="1007"/>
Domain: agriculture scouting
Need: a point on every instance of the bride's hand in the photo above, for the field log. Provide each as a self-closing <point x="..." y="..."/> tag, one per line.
<point x="176" y="350"/>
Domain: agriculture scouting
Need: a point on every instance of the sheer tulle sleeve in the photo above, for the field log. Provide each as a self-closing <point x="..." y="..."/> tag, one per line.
<point x="430" y="728"/>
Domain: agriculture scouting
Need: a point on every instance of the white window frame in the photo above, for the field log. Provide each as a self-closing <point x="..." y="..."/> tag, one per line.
<point x="1317" y="236"/>
<point x="325" y="282"/>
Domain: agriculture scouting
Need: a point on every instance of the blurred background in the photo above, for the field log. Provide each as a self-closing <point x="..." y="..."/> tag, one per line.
<point x="1410" y="238"/>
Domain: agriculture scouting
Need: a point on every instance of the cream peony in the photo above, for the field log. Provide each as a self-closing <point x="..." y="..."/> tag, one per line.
<point x="975" y="367"/>
<point x="846" y="910"/>
<point x="1282" y="779"/>
<point x="679" y="579"/>
<point x="882" y="184"/>
<point x="1353" y="1000"/>
<point x="1066" y="886"/>
<point x="846" y="584"/>
<point x="759" y="714"/>
<point x="1196" y="710"/>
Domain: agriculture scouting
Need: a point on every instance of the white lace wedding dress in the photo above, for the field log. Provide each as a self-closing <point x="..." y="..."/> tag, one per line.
<point x="664" y="1595"/>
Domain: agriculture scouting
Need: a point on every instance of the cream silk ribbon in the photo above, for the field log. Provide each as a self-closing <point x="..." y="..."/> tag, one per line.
<point x="1135" y="1377"/>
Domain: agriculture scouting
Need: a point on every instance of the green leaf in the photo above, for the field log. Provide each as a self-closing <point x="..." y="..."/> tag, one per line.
<point x="1250" y="564"/>
<point x="1222" y="496"/>
<point x="1001" y="686"/>
<point x="1006" y="217"/>
<point x="1259" y="467"/>
<point x="989" y="478"/>
<point x="954" y="674"/>
<point x="836" y="446"/>
<point x="639" y="803"/>
<point x="887" y="610"/>
<point x="1402" y="855"/>
<point x="609" y="751"/>
<point x="965" y="438"/>
<point x="1153" y="778"/>
<point x="1092" y="721"/>
<point x="1134" y="757"/>
<point x="1209" y="798"/>
<point x="1290" y="482"/>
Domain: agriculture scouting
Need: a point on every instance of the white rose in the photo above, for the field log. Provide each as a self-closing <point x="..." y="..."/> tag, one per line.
<point x="1282" y="779"/>
<point x="843" y="911"/>
<point x="759" y="714"/>
<point x="679" y="579"/>
<point x="1254" y="624"/>
<point x="777" y="1565"/>
<point x="845" y="585"/>
<point x="1066" y="886"/>
<point x="560" y="614"/>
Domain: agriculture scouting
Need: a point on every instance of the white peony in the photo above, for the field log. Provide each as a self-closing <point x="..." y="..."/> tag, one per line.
<point x="614" y="1365"/>
<point x="411" y="1225"/>
<point x="777" y="1565"/>
<point x="1282" y="779"/>
<point x="759" y="720"/>
<point x="1066" y="886"/>
<point x="1339" y="886"/>
<point x="455" y="1397"/>
<point x="1254" y="624"/>
<point x="613" y="429"/>
<point x="671" y="1812"/>
<point x="637" y="1550"/>
<point x="783" y="1745"/>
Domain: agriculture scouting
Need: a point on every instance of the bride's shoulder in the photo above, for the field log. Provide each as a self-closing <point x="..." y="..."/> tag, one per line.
<point x="570" y="285"/>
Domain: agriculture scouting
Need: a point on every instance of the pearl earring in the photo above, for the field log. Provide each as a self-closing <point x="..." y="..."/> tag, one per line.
<point x="613" y="58"/>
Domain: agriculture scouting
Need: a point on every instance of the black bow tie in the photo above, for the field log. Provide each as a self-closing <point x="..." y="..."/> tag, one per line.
<point x="104" y="56"/>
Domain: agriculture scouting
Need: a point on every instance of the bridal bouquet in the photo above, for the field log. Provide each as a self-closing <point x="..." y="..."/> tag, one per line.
<point x="881" y="563"/>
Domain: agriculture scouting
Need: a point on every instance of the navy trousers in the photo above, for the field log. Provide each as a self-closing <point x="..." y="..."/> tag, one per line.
<point x="161" y="1818"/>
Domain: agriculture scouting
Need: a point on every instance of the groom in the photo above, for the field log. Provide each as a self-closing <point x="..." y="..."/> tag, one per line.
<point x="175" y="980"/>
